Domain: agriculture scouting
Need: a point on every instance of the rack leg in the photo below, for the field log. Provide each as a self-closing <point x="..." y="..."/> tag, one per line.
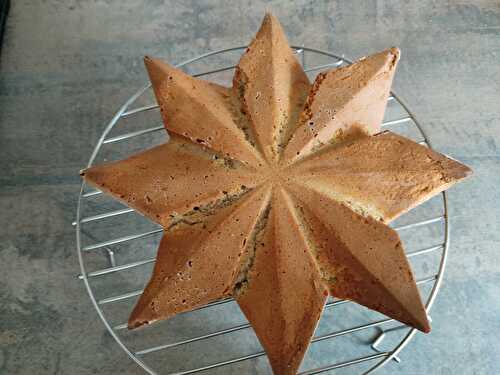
<point x="375" y="345"/>
<point x="111" y="257"/>
<point x="110" y="254"/>
<point x="378" y="340"/>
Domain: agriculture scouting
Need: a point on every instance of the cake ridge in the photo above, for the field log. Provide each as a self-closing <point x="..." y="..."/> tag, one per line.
<point x="272" y="86"/>
<point x="416" y="318"/>
<point x="383" y="176"/>
<point x="242" y="279"/>
<point x="239" y="81"/>
<point x="323" y="120"/>
<point x="287" y="323"/>
<point x="200" y="111"/>
<point x="144" y="180"/>
<point x="182" y="261"/>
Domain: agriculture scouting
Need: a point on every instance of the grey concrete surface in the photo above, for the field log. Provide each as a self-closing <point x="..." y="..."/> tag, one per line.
<point x="65" y="68"/>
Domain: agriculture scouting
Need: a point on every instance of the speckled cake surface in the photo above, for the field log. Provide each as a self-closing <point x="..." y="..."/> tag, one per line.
<point x="277" y="192"/>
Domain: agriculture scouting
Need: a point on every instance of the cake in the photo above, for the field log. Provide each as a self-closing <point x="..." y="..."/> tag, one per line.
<point x="278" y="192"/>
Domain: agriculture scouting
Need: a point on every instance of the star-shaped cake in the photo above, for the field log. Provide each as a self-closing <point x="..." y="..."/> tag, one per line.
<point x="278" y="192"/>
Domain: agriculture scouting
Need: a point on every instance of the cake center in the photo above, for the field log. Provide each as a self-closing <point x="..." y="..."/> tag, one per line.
<point x="277" y="174"/>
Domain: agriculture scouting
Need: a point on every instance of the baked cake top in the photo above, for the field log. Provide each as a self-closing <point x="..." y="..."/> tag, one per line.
<point x="278" y="192"/>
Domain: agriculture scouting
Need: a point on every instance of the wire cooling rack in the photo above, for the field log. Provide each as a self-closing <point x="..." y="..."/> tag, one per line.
<point x="216" y="338"/>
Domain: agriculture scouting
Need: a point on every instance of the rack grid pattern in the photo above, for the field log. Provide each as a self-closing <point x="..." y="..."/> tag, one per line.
<point x="88" y="244"/>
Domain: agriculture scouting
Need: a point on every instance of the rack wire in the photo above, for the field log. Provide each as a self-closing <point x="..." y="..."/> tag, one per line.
<point x="98" y="248"/>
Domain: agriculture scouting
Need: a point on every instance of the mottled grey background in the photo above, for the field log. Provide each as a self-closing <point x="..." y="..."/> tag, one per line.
<point x="67" y="65"/>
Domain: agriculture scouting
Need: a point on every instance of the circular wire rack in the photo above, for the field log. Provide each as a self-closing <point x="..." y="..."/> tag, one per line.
<point x="216" y="338"/>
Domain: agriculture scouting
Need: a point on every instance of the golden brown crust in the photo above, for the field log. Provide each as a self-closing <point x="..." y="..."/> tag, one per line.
<point x="171" y="179"/>
<point x="272" y="88"/>
<point x="199" y="259"/>
<point x="345" y="103"/>
<point x="201" y="111"/>
<point x="381" y="176"/>
<point x="284" y="296"/>
<point x="360" y="258"/>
